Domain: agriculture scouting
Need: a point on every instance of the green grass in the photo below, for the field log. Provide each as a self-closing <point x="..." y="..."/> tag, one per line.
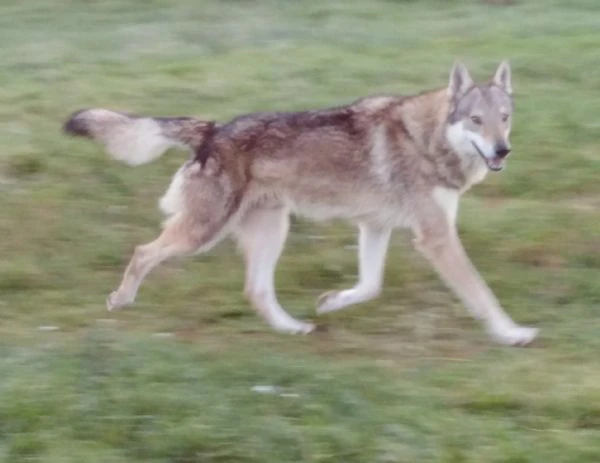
<point x="407" y="378"/>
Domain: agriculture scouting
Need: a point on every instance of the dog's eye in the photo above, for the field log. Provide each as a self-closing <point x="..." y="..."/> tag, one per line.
<point x="504" y="117"/>
<point x="476" y="120"/>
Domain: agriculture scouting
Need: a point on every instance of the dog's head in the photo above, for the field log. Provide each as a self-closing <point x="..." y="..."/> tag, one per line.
<point x="479" y="119"/>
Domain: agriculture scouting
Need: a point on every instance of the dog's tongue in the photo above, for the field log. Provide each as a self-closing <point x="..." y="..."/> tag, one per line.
<point x="496" y="163"/>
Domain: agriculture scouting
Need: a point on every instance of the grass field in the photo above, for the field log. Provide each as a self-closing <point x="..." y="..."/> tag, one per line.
<point x="406" y="378"/>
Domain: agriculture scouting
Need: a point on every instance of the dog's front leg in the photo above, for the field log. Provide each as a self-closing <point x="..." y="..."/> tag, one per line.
<point x="442" y="246"/>
<point x="261" y="235"/>
<point x="372" y="248"/>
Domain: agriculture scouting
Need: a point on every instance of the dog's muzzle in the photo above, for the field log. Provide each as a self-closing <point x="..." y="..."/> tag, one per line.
<point x="496" y="163"/>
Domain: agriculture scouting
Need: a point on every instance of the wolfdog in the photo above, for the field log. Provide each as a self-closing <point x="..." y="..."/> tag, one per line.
<point x="381" y="162"/>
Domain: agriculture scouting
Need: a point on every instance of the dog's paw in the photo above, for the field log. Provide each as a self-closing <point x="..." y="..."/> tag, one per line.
<point x="297" y="327"/>
<point x="292" y="326"/>
<point x="515" y="335"/>
<point x="329" y="302"/>
<point x="336" y="300"/>
<point x="116" y="301"/>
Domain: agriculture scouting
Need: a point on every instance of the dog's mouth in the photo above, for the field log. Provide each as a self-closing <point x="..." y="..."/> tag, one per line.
<point x="496" y="164"/>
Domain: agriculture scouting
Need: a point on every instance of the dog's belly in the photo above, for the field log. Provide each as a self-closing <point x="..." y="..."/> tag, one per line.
<point x="322" y="197"/>
<point x="321" y="213"/>
<point x="354" y="208"/>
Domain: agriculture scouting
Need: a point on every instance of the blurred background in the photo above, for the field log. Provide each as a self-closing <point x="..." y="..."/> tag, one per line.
<point x="190" y="373"/>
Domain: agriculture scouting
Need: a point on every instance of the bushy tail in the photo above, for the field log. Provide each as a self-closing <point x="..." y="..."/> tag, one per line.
<point x="135" y="139"/>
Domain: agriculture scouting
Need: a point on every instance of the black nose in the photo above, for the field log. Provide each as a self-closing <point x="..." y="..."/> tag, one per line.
<point x="502" y="150"/>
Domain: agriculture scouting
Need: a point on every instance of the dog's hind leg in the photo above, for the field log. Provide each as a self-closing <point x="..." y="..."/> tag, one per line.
<point x="261" y="236"/>
<point x="211" y="209"/>
<point x="177" y="239"/>
<point x="373" y="245"/>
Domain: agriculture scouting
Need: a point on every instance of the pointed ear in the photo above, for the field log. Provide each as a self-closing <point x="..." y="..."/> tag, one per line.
<point x="460" y="80"/>
<point x="502" y="77"/>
